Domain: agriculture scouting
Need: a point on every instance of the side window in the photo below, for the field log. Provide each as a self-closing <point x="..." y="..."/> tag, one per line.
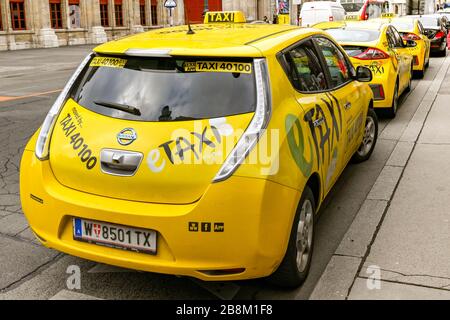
<point x="304" y="68"/>
<point x="337" y="64"/>
<point x="421" y="30"/>
<point x="390" y="39"/>
<point x="398" y="38"/>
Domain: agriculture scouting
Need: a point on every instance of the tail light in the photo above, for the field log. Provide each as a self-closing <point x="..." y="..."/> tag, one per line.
<point x="372" y="54"/>
<point x="43" y="140"/>
<point x="330" y="18"/>
<point x="416" y="60"/>
<point x="410" y="36"/>
<point x="256" y="127"/>
<point x="439" y="34"/>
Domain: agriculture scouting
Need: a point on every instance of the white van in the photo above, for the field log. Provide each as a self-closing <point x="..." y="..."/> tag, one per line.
<point x="320" y="11"/>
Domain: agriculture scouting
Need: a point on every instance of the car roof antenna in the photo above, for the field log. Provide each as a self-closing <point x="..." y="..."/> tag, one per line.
<point x="186" y="14"/>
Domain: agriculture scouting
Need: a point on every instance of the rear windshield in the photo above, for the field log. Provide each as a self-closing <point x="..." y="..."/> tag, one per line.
<point x="166" y="89"/>
<point x="354" y="35"/>
<point x="403" y="25"/>
<point x="352" y="7"/>
<point x="429" y="22"/>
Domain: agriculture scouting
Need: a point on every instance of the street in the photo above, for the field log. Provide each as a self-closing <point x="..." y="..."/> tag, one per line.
<point x="361" y="224"/>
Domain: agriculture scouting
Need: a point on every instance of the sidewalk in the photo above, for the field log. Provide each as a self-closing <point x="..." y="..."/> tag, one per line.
<point x="398" y="246"/>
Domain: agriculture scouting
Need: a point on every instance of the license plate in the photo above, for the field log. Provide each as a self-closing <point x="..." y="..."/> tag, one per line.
<point x="113" y="235"/>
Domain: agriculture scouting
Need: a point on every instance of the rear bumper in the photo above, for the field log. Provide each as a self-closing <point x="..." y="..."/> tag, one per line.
<point x="256" y="224"/>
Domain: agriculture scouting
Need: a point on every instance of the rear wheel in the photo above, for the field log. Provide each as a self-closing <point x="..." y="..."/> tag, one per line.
<point x="295" y="266"/>
<point x="443" y="53"/>
<point x="392" y="111"/>
<point x="369" y="139"/>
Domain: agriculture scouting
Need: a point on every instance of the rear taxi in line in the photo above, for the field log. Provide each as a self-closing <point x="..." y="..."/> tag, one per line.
<point x="377" y="45"/>
<point x="203" y="151"/>
<point x="412" y="29"/>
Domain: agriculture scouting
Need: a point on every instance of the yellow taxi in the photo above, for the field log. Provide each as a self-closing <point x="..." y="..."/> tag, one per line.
<point x="202" y="151"/>
<point x="377" y="45"/>
<point x="411" y="29"/>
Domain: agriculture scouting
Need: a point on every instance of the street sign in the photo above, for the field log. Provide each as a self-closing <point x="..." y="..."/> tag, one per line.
<point x="170" y="4"/>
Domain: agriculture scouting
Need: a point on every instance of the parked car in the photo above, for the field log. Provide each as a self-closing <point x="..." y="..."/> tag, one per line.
<point x="435" y="26"/>
<point x="446" y="12"/>
<point x="412" y="29"/>
<point x="150" y="157"/>
<point x="320" y="11"/>
<point x="377" y="45"/>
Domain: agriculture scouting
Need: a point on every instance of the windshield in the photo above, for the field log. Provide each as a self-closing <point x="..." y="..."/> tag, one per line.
<point x="354" y="35"/>
<point x="166" y="89"/>
<point x="429" y="22"/>
<point x="352" y="7"/>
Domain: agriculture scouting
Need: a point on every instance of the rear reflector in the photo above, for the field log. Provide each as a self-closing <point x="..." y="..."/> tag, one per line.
<point x="222" y="272"/>
<point x="378" y="91"/>
<point x="416" y="60"/>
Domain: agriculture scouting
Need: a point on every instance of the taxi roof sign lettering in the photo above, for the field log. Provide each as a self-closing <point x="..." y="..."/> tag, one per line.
<point x="224" y="17"/>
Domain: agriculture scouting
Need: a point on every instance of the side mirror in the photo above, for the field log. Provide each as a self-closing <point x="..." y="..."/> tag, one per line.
<point x="363" y="74"/>
<point x="410" y="43"/>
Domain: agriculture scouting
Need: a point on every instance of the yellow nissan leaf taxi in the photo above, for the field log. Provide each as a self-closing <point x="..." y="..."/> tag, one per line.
<point x="202" y="151"/>
<point x="377" y="45"/>
<point x="412" y="29"/>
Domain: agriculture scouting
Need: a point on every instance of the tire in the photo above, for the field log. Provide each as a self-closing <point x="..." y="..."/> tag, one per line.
<point x="392" y="111"/>
<point x="443" y="53"/>
<point x="411" y="72"/>
<point x="292" y="271"/>
<point x="369" y="140"/>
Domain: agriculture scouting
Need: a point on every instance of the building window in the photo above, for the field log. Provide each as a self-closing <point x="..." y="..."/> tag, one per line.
<point x="55" y="14"/>
<point x="154" y="13"/>
<point x="142" y="12"/>
<point x="118" y="13"/>
<point x="1" y="23"/>
<point x="74" y="14"/>
<point x="17" y="9"/>
<point x="104" y="13"/>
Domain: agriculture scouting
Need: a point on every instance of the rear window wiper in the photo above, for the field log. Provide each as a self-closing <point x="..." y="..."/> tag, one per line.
<point x="119" y="106"/>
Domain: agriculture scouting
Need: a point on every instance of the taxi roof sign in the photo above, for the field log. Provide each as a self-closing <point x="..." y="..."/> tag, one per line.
<point x="224" y="17"/>
<point x="388" y="15"/>
<point x="352" y="17"/>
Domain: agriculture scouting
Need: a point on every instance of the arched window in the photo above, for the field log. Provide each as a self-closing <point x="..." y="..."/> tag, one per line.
<point x="17" y="8"/>
<point x="118" y="13"/>
<point x="1" y="22"/>
<point x="154" y="13"/>
<point x="104" y="13"/>
<point x="142" y="12"/>
<point x="55" y="14"/>
<point x="74" y="14"/>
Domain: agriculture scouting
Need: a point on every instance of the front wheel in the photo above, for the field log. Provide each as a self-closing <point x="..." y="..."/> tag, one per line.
<point x="369" y="139"/>
<point x="295" y="266"/>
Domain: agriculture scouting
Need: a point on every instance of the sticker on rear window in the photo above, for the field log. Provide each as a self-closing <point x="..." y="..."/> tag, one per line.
<point x="108" y="62"/>
<point x="218" y="66"/>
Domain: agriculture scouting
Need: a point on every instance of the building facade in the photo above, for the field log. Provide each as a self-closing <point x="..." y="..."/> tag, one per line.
<point x="52" y="23"/>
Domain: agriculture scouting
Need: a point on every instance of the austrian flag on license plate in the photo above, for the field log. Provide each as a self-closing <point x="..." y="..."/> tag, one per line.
<point x="118" y="236"/>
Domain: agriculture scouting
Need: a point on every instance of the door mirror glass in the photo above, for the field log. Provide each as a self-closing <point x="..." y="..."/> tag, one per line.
<point x="363" y="74"/>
